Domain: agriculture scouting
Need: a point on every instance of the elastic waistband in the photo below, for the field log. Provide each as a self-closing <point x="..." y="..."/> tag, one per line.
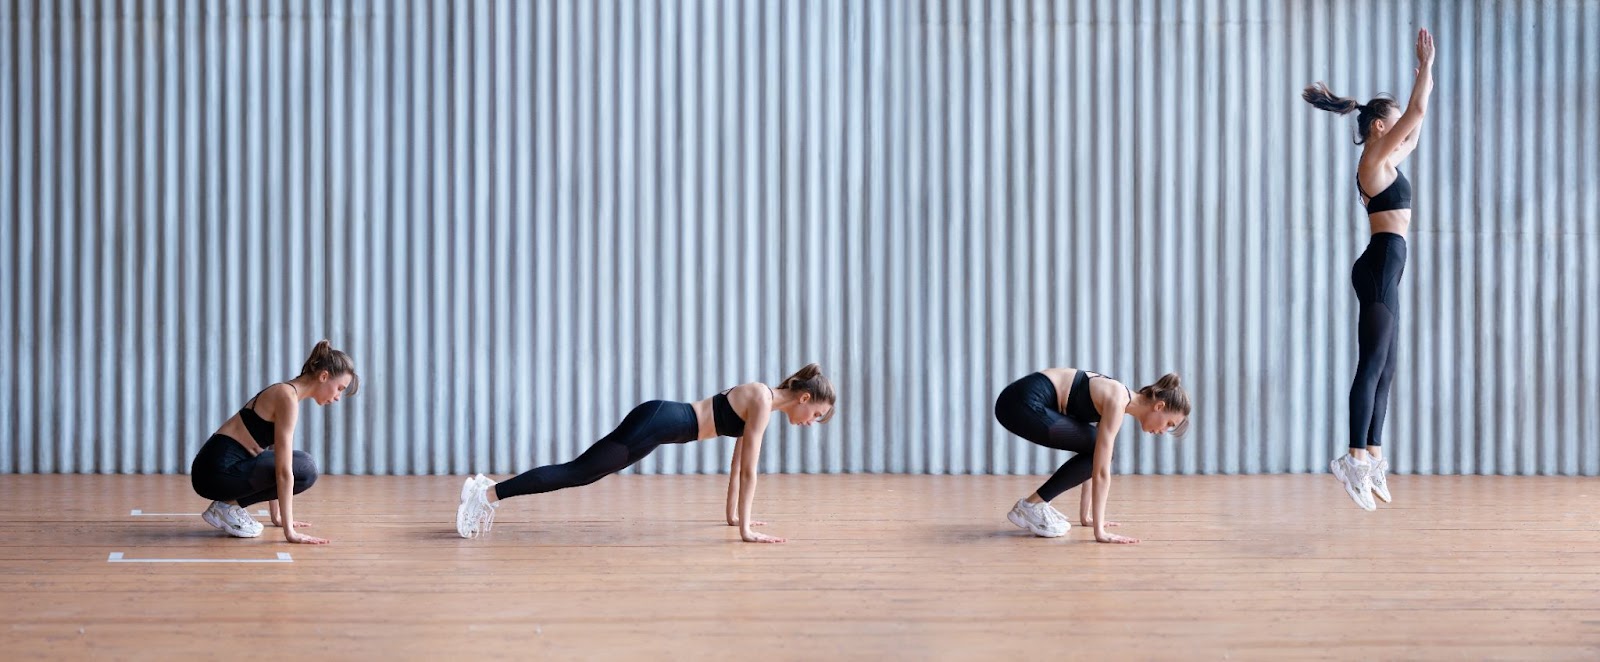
<point x="219" y="452"/>
<point x="1035" y="386"/>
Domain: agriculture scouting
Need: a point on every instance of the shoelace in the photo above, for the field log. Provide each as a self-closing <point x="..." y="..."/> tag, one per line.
<point x="254" y="525"/>
<point x="1359" y="473"/>
<point x="1049" y="514"/>
<point x="244" y="517"/>
<point x="238" y="517"/>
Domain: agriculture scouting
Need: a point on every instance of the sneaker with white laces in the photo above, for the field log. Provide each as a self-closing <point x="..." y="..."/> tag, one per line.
<point x="475" y="515"/>
<point x="1380" y="481"/>
<point x="1357" y="479"/>
<point x="1040" y="519"/>
<point x="242" y="517"/>
<point x="1056" y="516"/>
<point x="218" y="515"/>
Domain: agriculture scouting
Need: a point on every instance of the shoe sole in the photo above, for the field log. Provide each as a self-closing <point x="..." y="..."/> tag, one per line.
<point x="1349" y="489"/>
<point x="461" y="511"/>
<point x="1023" y="524"/>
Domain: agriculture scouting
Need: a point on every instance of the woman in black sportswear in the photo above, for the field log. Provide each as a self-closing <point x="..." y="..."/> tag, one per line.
<point x="1081" y="411"/>
<point x="742" y="412"/>
<point x="1387" y="137"/>
<point x="251" y="458"/>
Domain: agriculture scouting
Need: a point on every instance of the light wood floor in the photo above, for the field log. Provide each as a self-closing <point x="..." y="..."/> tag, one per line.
<point x="877" y="567"/>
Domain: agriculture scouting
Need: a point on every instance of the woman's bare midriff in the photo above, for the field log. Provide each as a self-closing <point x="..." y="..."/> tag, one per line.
<point x="234" y="429"/>
<point x="704" y="419"/>
<point x="1062" y="378"/>
<point x="1396" y="221"/>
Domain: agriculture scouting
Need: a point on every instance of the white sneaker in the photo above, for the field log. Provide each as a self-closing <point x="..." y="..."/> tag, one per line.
<point x="242" y="517"/>
<point x="1357" y="479"/>
<point x="486" y="523"/>
<point x="475" y="515"/>
<point x="1380" y="481"/>
<point x="218" y="515"/>
<point x="1043" y="520"/>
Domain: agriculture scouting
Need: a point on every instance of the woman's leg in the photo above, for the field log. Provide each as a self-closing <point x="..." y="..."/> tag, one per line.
<point x="1027" y="409"/>
<point x="604" y="458"/>
<point x="1375" y="331"/>
<point x="640" y="433"/>
<point x="264" y="476"/>
<point x="1070" y="435"/>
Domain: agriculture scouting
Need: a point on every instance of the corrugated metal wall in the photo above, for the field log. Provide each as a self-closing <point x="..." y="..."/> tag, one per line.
<point x="524" y="217"/>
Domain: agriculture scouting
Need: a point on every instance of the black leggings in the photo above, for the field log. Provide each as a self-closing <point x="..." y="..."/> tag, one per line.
<point x="649" y="425"/>
<point x="1028" y="409"/>
<point x="225" y="471"/>
<point x="1376" y="278"/>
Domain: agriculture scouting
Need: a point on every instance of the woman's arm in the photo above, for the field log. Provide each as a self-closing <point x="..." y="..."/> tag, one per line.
<point x="733" y="484"/>
<point x="750" y="458"/>
<point x="1103" y="445"/>
<point x="272" y="509"/>
<point x="284" y="418"/>
<point x="1402" y="135"/>
<point x="1406" y="147"/>
<point x="733" y="481"/>
<point x="1085" y="515"/>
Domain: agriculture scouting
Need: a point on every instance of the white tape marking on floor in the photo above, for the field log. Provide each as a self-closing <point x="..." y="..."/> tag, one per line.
<point x="116" y="557"/>
<point x="140" y="513"/>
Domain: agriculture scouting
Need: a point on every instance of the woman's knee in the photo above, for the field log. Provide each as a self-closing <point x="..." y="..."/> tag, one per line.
<point x="590" y="479"/>
<point x="305" y="471"/>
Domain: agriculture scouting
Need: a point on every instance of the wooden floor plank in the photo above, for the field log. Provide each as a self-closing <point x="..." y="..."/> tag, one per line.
<point x="877" y="567"/>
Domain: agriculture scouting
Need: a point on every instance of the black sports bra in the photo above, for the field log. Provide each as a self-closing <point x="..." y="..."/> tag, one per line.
<point x="262" y="430"/>
<point x="728" y="422"/>
<point x="1079" y="405"/>
<point x="1397" y="196"/>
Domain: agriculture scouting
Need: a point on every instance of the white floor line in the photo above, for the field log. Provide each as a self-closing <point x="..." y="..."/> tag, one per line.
<point x="116" y="557"/>
<point x="140" y="513"/>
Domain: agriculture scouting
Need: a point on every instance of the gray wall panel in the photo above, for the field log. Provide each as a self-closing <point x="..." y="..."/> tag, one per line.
<point x="524" y="217"/>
